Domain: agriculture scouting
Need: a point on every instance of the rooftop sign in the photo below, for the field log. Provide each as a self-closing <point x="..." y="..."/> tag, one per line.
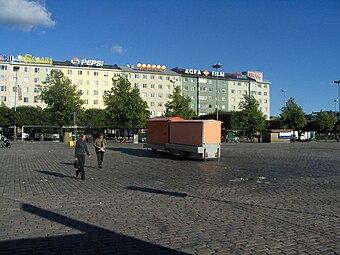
<point x="86" y="62"/>
<point x="28" y="58"/>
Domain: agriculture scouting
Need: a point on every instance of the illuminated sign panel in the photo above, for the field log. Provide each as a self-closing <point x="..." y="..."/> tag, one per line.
<point x="4" y="58"/>
<point x="28" y="58"/>
<point x="255" y="75"/>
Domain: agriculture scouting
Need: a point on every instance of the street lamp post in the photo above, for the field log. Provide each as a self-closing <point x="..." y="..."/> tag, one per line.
<point x="338" y="82"/>
<point x="173" y="83"/>
<point x="15" y="69"/>
<point x="335" y="101"/>
<point x="217" y="66"/>
<point x="284" y="98"/>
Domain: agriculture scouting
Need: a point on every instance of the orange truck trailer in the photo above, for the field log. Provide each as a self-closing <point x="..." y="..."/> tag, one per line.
<point x="195" y="138"/>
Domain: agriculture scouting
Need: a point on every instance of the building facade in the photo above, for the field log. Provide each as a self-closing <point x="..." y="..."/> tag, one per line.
<point x="93" y="78"/>
<point x="209" y="90"/>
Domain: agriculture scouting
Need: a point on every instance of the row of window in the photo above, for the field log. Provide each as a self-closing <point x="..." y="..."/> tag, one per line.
<point x="253" y="92"/>
<point x="246" y="84"/>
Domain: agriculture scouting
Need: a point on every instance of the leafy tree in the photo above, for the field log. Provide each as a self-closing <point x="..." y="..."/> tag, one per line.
<point x="231" y="120"/>
<point x="325" y="122"/>
<point x="293" y="115"/>
<point x="252" y="119"/>
<point x="126" y="109"/>
<point x="6" y="115"/>
<point x="30" y="115"/>
<point x="94" y="118"/>
<point x="61" y="97"/>
<point x="179" y="105"/>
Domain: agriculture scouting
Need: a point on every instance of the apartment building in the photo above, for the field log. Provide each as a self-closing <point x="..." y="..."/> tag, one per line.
<point x="93" y="78"/>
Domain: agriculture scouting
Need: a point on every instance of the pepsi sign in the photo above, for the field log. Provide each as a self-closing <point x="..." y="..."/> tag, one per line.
<point x="87" y="62"/>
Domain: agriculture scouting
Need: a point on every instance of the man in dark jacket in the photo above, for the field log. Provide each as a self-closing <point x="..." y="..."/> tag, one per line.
<point x="80" y="150"/>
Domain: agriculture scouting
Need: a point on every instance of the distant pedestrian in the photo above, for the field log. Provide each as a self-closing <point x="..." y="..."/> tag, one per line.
<point x="100" y="145"/>
<point x="80" y="151"/>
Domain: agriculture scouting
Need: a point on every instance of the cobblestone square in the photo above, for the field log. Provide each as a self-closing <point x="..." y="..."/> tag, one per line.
<point x="257" y="199"/>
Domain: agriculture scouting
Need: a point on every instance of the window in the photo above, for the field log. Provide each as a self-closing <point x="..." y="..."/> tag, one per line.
<point x="168" y="78"/>
<point x="259" y="85"/>
<point x="80" y="82"/>
<point x="265" y="93"/>
<point x="259" y="93"/>
<point x="36" y="90"/>
<point x="232" y="99"/>
<point x="47" y="70"/>
<point x="202" y="80"/>
<point x="145" y="85"/>
<point x="265" y="86"/>
<point x="80" y="91"/>
<point x="192" y="88"/>
<point x="160" y="77"/>
<point x="210" y="82"/>
<point x="152" y="94"/>
<point x="95" y="73"/>
<point x="223" y="90"/>
<point x="105" y="83"/>
<point x="192" y="80"/>
<point x="185" y="79"/>
<point x="3" y="68"/>
<point x="106" y="74"/>
<point x="36" y="99"/>
<point x="152" y="86"/>
<point x="152" y="103"/>
<point x="136" y="75"/>
<point x="152" y="77"/>
<point x="26" y="69"/>
<point x="136" y="85"/>
<point x="239" y="92"/>
<point x="160" y="86"/>
<point x="36" y="80"/>
<point x="25" y="90"/>
<point x="80" y="72"/>
<point x="145" y="76"/>
<point x="223" y="107"/>
<point x="95" y="92"/>
<point x="3" y="88"/>
<point x="95" y="101"/>
<point x="265" y="109"/>
<point x="167" y="87"/>
<point x="25" y="99"/>
<point x="144" y="95"/>
<point x="69" y="71"/>
<point x="265" y="101"/>
<point x="95" y="83"/>
<point x="36" y="70"/>
<point x="3" y="77"/>
<point x="185" y="88"/>
<point x="160" y="95"/>
<point x="88" y="72"/>
<point x="3" y="98"/>
<point x="25" y="79"/>
<point x="160" y="103"/>
<point x="168" y="95"/>
<point x="233" y="91"/>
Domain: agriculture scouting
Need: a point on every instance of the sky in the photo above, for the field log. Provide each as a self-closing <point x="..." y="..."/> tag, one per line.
<point x="295" y="43"/>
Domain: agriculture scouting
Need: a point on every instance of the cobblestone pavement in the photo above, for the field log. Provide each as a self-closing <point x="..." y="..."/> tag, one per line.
<point x="257" y="199"/>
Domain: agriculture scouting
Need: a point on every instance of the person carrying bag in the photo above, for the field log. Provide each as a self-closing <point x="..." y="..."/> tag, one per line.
<point x="80" y="151"/>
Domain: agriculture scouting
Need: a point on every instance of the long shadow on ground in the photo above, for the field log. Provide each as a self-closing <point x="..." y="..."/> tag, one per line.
<point x="94" y="240"/>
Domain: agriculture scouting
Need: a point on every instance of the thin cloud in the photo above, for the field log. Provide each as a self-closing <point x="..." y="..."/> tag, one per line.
<point x="24" y="14"/>
<point x="118" y="49"/>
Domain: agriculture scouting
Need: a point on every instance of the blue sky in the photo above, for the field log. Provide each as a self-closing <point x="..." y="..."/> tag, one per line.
<point x="296" y="43"/>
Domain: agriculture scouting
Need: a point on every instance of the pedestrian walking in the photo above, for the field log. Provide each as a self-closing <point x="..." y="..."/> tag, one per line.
<point x="80" y="151"/>
<point x="100" y="145"/>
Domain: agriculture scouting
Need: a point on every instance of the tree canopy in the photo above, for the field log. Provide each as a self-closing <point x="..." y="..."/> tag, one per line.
<point x="252" y="119"/>
<point x="30" y="115"/>
<point x="179" y="105"/>
<point x="61" y="97"/>
<point x="126" y="109"/>
<point x="325" y="122"/>
<point x="6" y="115"/>
<point x="293" y="115"/>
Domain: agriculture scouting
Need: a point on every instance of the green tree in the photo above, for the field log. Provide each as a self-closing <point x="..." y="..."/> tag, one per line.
<point x="30" y="115"/>
<point x="94" y="118"/>
<point x="6" y="115"/>
<point x="179" y="105"/>
<point x="61" y="97"/>
<point x="252" y="119"/>
<point x="126" y="109"/>
<point x="325" y="122"/>
<point x="293" y="115"/>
